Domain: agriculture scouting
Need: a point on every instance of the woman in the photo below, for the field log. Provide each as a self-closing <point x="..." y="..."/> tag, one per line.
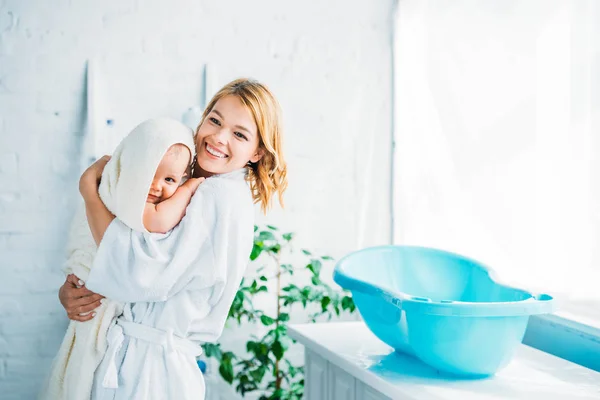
<point x="179" y="286"/>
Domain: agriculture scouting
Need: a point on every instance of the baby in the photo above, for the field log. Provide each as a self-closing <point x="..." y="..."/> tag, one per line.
<point x="144" y="185"/>
<point x="168" y="197"/>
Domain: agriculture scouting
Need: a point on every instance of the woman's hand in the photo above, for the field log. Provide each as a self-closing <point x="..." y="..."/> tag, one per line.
<point x="77" y="299"/>
<point x="90" y="179"/>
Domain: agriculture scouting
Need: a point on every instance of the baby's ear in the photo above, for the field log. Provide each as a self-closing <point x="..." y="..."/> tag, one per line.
<point x="185" y="176"/>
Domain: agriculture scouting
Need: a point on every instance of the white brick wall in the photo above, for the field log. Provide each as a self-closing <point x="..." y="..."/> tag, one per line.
<point x="328" y="62"/>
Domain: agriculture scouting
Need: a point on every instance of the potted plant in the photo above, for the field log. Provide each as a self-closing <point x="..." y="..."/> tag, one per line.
<point x="265" y="366"/>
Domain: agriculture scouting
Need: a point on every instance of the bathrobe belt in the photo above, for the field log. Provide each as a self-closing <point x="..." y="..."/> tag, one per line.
<point x="165" y="338"/>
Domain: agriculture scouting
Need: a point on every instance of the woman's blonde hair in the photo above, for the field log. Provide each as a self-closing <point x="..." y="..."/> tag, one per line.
<point x="269" y="174"/>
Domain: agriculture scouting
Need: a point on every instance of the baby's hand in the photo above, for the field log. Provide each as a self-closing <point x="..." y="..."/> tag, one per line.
<point x="193" y="183"/>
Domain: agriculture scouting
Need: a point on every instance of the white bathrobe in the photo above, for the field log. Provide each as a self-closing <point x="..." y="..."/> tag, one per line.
<point x="124" y="187"/>
<point x="178" y="288"/>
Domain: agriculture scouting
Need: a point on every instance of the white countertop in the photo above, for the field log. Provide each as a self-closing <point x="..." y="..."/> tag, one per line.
<point x="531" y="375"/>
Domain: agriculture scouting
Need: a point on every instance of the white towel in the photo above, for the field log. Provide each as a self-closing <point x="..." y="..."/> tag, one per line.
<point x="124" y="188"/>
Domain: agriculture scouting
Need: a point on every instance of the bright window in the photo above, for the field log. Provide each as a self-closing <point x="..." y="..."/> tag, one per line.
<point x="497" y="131"/>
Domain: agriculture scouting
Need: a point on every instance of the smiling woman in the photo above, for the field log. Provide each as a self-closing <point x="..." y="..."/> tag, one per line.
<point x="233" y="125"/>
<point x="177" y="288"/>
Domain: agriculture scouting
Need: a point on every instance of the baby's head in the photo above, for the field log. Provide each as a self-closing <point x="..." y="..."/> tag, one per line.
<point x="170" y="173"/>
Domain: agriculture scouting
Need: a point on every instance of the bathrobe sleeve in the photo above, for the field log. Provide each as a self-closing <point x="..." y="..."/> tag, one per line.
<point x="81" y="247"/>
<point x="208" y="250"/>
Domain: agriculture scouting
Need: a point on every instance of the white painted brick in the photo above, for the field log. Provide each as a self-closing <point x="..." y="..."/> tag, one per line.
<point x="16" y="75"/>
<point x="8" y="165"/>
<point x="48" y="196"/>
<point x="2" y="369"/>
<point x="17" y="325"/>
<point x="31" y="262"/>
<point x="19" y="389"/>
<point x="28" y="304"/>
<point x="60" y="74"/>
<point x="52" y="102"/>
<point x="9" y="306"/>
<point x="7" y="199"/>
<point x="49" y="125"/>
<point x="26" y="222"/>
<point x="45" y="240"/>
<point x="31" y="368"/>
<point x="14" y="282"/>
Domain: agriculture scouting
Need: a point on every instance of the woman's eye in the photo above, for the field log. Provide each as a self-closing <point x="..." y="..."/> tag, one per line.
<point x="214" y="121"/>
<point x="240" y="135"/>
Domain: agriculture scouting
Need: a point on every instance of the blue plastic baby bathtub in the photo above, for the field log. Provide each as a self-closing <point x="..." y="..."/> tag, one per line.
<point x="441" y="307"/>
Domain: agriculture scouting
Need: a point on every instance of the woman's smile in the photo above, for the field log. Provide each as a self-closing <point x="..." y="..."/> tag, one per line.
<point x="213" y="151"/>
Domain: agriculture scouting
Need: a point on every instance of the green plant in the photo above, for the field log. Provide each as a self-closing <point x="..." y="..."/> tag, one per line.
<point x="266" y="367"/>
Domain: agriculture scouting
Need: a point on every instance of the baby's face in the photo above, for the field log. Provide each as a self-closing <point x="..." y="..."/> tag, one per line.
<point x="169" y="174"/>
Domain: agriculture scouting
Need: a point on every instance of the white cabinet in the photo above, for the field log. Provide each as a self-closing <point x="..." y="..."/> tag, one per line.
<point x="340" y="384"/>
<point x="365" y="392"/>
<point x="345" y="361"/>
<point x="326" y="381"/>
<point x="315" y="373"/>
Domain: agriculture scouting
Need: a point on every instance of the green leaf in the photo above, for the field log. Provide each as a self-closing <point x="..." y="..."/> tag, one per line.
<point x="348" y="303"/>
<point x="212" y="350"/>
<point x="262" y="349"/>
<point x="255" y="228"/>
<point x="239" y="297"/>
<point x="258" y="373"/>
<point x="226" y="370"/>
<point x="327" y="258"/>
<point x="256" y="250"/>
<point x="291" y="287"/>
<point x="275" y="249"/>
<point x="288" y="236"/>
<point x="288" y="268"/>
<point x="283" y="317"/>
<point x="263" y="288"/>
<point x="325" y="302"/>
<point x="266" y="320"/>
<point x="271" y="227"/>
<point x="266" y="235"/>
<point x="297" y="386"/>
<point x="316" y="266"/>
<point x="263" y="278"/>
<point x="308" y="253"/>
<point x="315" y="280"/>
<point x="277" y="350"/>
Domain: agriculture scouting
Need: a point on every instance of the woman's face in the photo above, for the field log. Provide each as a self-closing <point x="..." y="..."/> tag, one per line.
<point x="227" y="139"/>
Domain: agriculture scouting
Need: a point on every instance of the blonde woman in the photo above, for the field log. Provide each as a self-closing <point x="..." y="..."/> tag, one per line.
<point x="178" y="287"/>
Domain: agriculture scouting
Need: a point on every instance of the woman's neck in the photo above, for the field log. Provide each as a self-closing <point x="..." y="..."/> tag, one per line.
<point x="200" y="173"/>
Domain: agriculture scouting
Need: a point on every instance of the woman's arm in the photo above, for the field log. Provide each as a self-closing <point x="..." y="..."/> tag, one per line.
<point x="97" y="214"/>
<point x="77" y="299"/>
